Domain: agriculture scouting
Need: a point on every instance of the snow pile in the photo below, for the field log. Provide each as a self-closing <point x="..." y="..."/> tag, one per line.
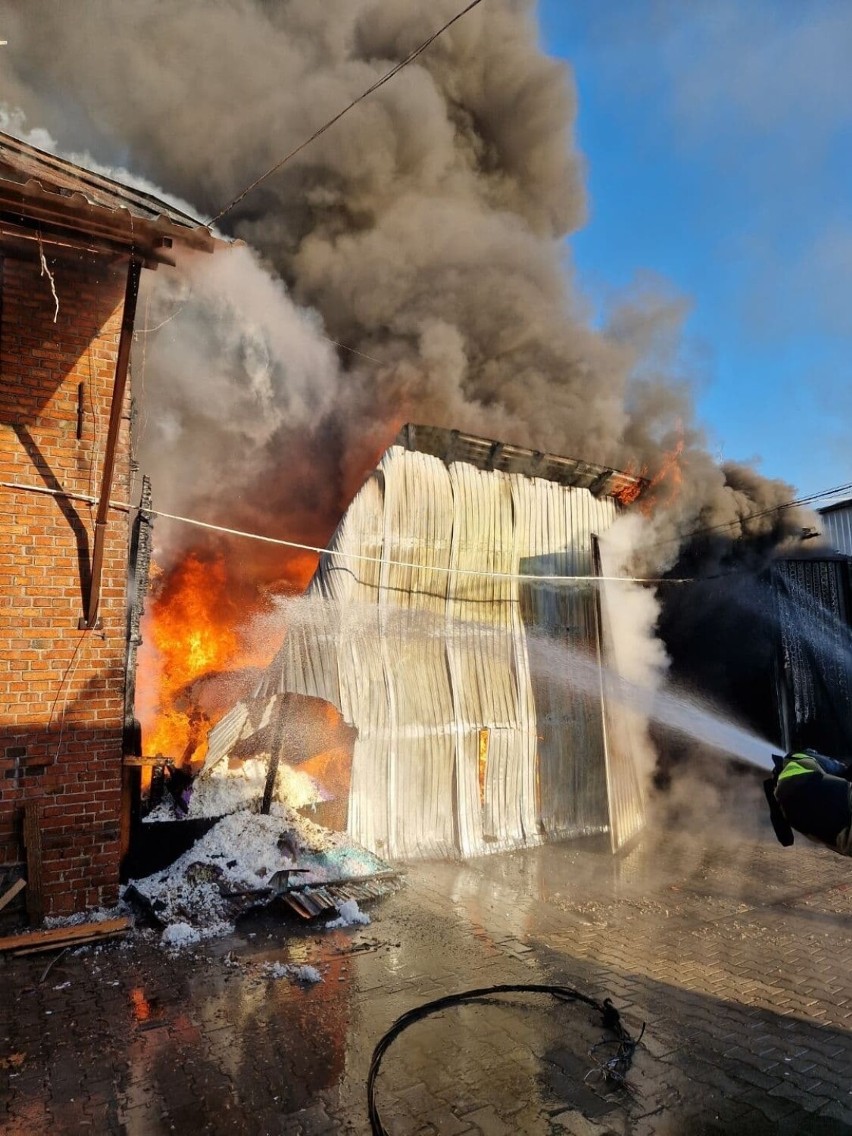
<point x="307" y="975"/>
<point x="349" y="914"/>
<point x="234" y="867"/>
<point x="163" y="812"/>
<point x="239" y="854"/>
<point x="178" y="935"/>
<point x="223" y="790"/>
<point x="98" y="915"/>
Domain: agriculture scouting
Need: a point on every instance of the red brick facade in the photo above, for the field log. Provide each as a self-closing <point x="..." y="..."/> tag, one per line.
<point x="61" y="689"/>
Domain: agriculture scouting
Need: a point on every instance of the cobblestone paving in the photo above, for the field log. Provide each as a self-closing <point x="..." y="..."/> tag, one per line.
<point x="735" y="955"/>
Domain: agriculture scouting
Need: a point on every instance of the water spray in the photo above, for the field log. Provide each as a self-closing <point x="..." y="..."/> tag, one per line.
<point x="683" y="713"/>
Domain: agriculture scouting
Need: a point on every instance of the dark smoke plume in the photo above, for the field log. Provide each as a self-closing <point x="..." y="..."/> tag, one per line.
<point x="424" y="232"/>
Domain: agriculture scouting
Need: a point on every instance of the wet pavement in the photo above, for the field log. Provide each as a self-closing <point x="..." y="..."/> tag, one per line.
<point x="735" y="953"/>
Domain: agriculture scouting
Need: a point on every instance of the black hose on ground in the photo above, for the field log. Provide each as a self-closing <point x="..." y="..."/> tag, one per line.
<point x="613" y="1070"/>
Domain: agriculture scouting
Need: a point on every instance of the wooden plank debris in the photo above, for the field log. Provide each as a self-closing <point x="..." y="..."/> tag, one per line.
<point x="105" y="938"/>
<point x="312" y="900"/>
<point x="55" y="938"/>
<point x="16" y="887"/>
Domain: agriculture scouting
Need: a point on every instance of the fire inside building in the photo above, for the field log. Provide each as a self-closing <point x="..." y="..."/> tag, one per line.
<point x="465" y="576"/>
<point x="72" y="248"/>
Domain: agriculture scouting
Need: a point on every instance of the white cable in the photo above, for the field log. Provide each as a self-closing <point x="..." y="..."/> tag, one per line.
<point x="409" y="564"/>
<point x="358" y="556"/>
<point x="45" y="271"/>
<point x="84" y="497"/>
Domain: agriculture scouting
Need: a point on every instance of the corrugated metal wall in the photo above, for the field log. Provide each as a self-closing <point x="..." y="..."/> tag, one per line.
<point x="462" y="747"/>
<point x="837" y="527"/>
<point x="814" y="607"/>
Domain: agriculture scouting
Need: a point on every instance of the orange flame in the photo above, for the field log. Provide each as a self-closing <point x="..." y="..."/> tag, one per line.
<point x="670" y="474"/>
<point x="662" y="488"/>
<point x="192" y="631"/>
<point x="627" y="493"/>
<point x="196" y="616"/>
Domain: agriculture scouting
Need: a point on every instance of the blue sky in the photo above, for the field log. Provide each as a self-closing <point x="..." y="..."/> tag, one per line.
<point x="718" y="141"/>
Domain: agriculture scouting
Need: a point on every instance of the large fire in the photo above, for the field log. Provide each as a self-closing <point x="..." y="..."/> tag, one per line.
<point x="198" y="650"/>
<point x="199" y="653"/>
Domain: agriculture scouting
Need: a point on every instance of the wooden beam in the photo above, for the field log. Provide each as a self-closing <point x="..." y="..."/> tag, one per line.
<point x="16" y="887"/>
<point x="134" y="269"/>
<point x="75" y="933"/>
<point x="32" y="842"/>
<point x="102" y="937"/>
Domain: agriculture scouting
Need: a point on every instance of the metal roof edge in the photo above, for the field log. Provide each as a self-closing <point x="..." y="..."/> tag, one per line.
<point x="488" y="454"/>
<point x="846" y="503"/>
<point x="54" y="189"/>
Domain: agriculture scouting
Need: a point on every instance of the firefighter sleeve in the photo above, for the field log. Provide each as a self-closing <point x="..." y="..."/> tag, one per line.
<point x="817" y="804"/>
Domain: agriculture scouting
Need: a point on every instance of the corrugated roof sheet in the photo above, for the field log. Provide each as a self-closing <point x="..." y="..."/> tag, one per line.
<point x="34" y="183"/>
<point x="813" y="600"/>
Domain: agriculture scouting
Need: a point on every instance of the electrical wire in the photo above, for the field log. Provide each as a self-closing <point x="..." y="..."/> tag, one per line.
<point x="412" y="55"/>
<point x="66" y="683"/>
<point x="299" y="547"/>
<point x="409" y="564"/>
<point x="320" y="551"/>
<point x="613" y="1070"/>
<point x="84" y="497"/>
<point x="795" y="503"/>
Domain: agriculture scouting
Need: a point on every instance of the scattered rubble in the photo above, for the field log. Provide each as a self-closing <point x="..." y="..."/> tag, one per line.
<point x="248" y="859"/>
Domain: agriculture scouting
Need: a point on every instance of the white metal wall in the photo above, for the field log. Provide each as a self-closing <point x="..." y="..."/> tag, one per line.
<point x="837" y="528"/>
<point x="427" y="646"/>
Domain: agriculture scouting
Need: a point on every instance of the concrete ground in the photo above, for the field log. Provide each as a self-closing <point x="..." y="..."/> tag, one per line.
<point x="734" y="952"/>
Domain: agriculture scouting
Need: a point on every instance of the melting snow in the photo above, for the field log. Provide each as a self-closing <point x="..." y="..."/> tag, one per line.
<point x="233" y="865"/>
<point x="349" y="914"/>
<point x="305" y="974"/>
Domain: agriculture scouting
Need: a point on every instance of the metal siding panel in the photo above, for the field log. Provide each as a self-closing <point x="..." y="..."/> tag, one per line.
<point x="417" y="524"/>
<point x="419" y="659"/>
<point x="481" y="654"/>
<point x="837" y="526"/>
<point x="626" y="728"/>
<point x="224" y="734"/>
<point x="570" y="750"/>
<point x="814" y="616"/>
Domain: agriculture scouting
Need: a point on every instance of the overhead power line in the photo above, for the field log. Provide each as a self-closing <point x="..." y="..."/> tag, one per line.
<point x="379" y="83"/>
<point x="320" y="551"/>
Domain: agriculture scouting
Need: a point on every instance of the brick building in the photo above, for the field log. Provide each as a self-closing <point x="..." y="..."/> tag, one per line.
<point x="72" y="248"/>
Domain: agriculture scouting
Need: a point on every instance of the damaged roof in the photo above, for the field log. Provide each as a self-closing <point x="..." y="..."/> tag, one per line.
<point x="56" y="196"/>
<point x="484" y="453"/>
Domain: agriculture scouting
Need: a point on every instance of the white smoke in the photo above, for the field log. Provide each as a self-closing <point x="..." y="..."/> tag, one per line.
<point x="224" y="361"/>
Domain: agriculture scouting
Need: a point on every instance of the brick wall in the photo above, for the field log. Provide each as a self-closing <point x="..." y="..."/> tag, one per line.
<point x="61" y="689"/>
